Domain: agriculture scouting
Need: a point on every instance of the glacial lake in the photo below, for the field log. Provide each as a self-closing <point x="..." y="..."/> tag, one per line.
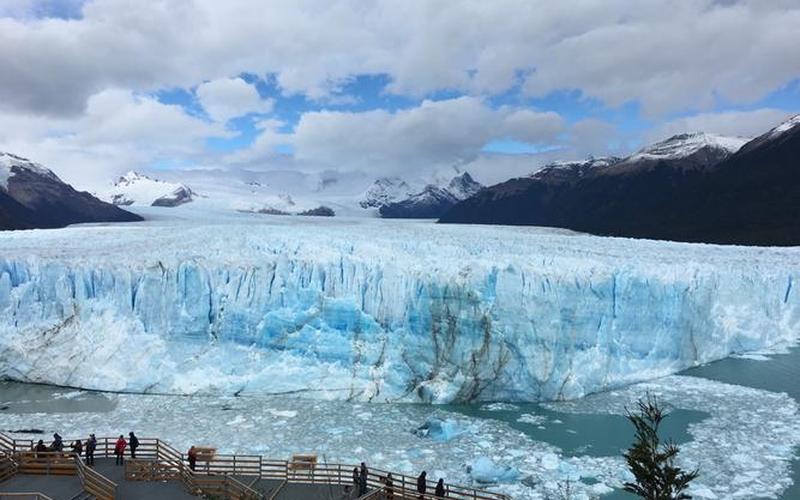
<point x="582" y="439"/>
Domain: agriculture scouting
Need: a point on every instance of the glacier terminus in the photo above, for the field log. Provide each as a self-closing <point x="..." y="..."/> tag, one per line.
<point x="369" y="310"/>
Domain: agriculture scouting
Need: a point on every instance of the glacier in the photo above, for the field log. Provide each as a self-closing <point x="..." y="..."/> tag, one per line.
<point x="376" y="310"/>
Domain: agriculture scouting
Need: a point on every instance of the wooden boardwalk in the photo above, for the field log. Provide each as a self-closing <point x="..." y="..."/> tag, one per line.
<point x="160" y="471"/>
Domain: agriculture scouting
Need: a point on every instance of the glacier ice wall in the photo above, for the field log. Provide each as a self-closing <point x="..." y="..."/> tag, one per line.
<point x="376" y="311"/>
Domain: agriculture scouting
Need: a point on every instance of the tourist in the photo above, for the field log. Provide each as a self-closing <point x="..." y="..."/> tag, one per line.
<point x="77" y="447"/>
<point x="389" y="486"/>
<point x="91" y="445"/>
<point x="40" y="448"/>
<point x="422" y="484"/>
<point x="362" y="480"/>
<point x="58" y="444"/>
<point x="355" y="477"/>
<point x="192" y="454"/>
<point x="133" y="442"/>
<point x="119" y="450"/>
<point x="440" y="492"/>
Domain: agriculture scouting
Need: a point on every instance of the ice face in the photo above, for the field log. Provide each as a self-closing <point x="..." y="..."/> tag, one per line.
<point x="373" y="310"/>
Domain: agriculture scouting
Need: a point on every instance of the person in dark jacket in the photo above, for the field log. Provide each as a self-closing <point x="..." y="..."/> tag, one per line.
<point x="119" y="450"/>
<point x="41" y="447"/>
<point x="58" y="444"/>
<point x="440" y="492"/>
<point x="362" y="480"/>
<point x="192" y="455"/>
<point x="91" y="445"/>
<point x="133" y="442"/>
<point x="77" y="447"/>
<point x="389" y="486"/>
<point x="356" y="477"/>
<point x="422" y="484"/>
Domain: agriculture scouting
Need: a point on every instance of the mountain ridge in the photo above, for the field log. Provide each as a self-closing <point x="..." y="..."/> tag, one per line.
<point x="697" y="196"/>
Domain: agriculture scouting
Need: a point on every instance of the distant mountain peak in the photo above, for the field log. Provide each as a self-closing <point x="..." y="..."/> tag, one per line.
<point x="434" y="199"/>
<point x="10" y="162"/>
<point x="683" y="145"/>
<point x="132" y="176"/>
<point x="385" y="190"/>
<point x="135" y="188"/>
<point x="577" y="168"/>
<point x="787" y="125"/>
<point x="463" y="186"/>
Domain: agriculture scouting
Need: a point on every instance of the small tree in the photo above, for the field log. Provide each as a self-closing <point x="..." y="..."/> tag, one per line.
<point x="651" y="462"/>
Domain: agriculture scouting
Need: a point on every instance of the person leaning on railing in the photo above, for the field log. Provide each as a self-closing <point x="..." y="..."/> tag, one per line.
<point x="58" y="443"/>
<point x="77" y="447"/>
<point x="40" y="448"/>
<point x="441" y="491"/>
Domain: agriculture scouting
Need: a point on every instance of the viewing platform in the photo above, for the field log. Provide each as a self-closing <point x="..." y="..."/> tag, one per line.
<point x="160" y="471"/>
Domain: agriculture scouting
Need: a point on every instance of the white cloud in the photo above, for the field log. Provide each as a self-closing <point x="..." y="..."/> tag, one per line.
<point x="733" y="123"/>
<point x="592" y="137"/>
<point x="675" y="59"/>
<point x="73" y="93"/>
<point x="231" y="97"/>
<point x="434" y="133"/>
<point x="118" y="131"/>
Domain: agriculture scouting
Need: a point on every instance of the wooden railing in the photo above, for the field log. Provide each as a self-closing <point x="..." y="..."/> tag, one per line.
<point x="95" y="483"/>
<point x="8" y="466"/>
<point x="162" y="462"/>
<point x="54" y="463"/>
<point x="50" y="463"/>
<point x="226" y="487"/>
<point x="378" y="494"/>
<point x="33" y="495"/>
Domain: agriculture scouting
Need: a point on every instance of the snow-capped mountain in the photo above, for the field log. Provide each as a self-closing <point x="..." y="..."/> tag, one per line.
<point x="783" y="132"/>
<point x="690" y="187"/>
<point x="32" y="196"/>
<point x="11" y="164"/>
<point x="384" y="191"/>
<point x="134" y="188"/>
<point x="570" y="170"/>
<point x="685" y="145"/>
<point x="433" y="200"/>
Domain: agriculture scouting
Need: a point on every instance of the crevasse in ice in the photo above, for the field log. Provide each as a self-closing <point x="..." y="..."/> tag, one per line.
<point x="377" y="310"/>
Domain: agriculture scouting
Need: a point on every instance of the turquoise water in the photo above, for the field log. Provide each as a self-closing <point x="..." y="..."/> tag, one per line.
<point x="581" y="434"/>
<point x="781" y="373"/>
<point x="604" y="435"/>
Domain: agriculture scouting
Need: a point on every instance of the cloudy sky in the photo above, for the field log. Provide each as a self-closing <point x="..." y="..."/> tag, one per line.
<point x="94" y="88"/>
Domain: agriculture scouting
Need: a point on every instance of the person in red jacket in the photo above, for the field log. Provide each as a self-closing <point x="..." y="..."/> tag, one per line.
<point x="119" y="449"/>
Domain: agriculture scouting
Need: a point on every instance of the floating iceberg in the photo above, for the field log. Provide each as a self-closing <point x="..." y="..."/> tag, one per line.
<point x="440" y="429"/>
<point x="483" y="470"/>
<point x="374" y="310"/>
